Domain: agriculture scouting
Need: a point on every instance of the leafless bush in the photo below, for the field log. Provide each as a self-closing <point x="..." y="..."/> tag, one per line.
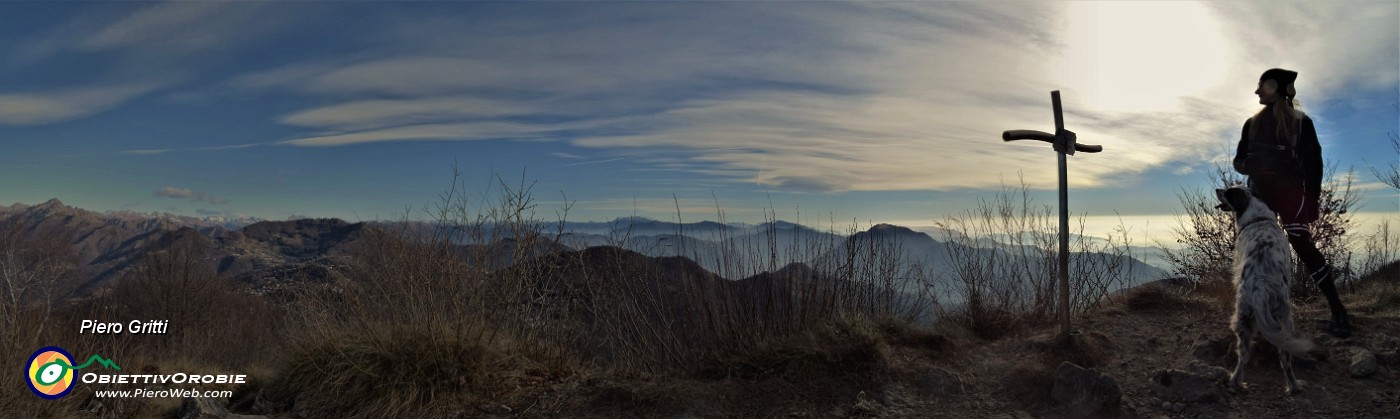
<point x="485" y="282"/>
<point x="462" y="290"/>
<point x="1380" y="248"/>
<point x="212" y="320"/>
<point x="1205" y="237"/>
<point x="1391" y="174"/>
<point x="1005" y="264"/>
<point x="674" y="317"/>
<point x="35" y="274"/>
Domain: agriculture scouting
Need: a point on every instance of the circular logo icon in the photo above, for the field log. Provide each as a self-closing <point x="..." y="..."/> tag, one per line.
<point x="50" y="372"/>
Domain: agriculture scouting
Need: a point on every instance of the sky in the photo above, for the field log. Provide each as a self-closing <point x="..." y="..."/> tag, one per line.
<point x="820" y="111"/>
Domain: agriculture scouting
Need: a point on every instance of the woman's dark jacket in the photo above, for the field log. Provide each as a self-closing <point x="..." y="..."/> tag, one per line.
<point x="1275" y="162"/>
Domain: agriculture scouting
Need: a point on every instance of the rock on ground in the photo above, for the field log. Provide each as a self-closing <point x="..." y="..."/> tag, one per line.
<point x="206" y="408"/>
<point x="1199" y="383"/>
<point x="1082" y="392"/>
<point x="1212" y="350"/>
<point x="1363" y="363"/>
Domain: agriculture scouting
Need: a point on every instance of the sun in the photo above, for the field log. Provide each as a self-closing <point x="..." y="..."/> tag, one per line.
<point x="1142" y="56"/>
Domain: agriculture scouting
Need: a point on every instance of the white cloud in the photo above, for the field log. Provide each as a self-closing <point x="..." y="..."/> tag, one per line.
<point x="656" y="208"/>
<point x="146" y="152"/>
<point x="136" y="49"/>
<point x="851" y="96"/>
<point x="452" y="132"/>
<point x="188" y="30"/>
<point x="36" y="108"/>
<point x="381" y="113"/>
<point x="283" y="76"/>
<point x="181" y="193"/>
<point x="1331" y="44"/>
<point x="173" y="192"/>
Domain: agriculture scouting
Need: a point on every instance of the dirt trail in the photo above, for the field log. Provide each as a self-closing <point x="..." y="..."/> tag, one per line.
<point x="1131" y="342"/>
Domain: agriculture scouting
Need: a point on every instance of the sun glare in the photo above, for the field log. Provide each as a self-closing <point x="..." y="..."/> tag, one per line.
<point x="1142" y="56"/>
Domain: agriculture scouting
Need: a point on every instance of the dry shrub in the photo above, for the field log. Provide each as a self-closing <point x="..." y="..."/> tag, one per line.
<point x="668" y="316"/>
<point x="931" y="342"/>
<point x="1380" y="252"/>
<point x="1159" y="299"/>
<point x="1379" y="292"/>
<point x="1205" y="238"/>
<point x="35" y="273"/>
<point x="213" y="320"/>
<point x="1205" y="241"/>
<point x="423" y="317"/>
<point x="214" y="326"/>
<point x="838" y="350"/>
<point x="1005" y="266"/>
<point x="992" y="323"/>
<point x="484" y="282"/>
<point x="384" y="371"/>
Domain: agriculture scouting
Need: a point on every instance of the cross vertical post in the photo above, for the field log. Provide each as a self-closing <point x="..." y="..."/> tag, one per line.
<point x="1064" y="217"/>
<point x="1064" y="142"/>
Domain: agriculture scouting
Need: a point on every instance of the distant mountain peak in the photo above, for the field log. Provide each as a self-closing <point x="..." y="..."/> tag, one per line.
<point x="781" y="225"/>
<point x="884" y="228"/>
<point x="51" y="206"/>
<point x="51" y="203"/>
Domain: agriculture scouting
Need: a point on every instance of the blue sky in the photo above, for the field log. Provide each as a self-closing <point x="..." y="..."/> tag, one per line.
<point x="876" y="111"/>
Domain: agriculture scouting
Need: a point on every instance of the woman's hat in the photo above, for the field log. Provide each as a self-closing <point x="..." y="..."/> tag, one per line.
<point x="1284" y="79"/>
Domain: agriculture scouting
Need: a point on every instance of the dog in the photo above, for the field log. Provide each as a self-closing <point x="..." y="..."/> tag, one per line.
<point x="1261" y="279"/>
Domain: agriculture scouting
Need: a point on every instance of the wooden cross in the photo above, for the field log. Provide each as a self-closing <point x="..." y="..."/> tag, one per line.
<point x="1064" y="144"/>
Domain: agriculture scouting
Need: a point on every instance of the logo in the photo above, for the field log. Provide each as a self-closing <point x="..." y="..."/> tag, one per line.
<point x="50" y="371"/>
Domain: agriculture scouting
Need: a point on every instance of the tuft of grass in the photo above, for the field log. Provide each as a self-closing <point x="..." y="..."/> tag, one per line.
<point x="1158" y="299"/>
<point x="1378" y="297"/>
<point x="385" y="372"/>
<point x="931" y="342"/>
<point x="849" y="350"/>
<point x="1004" y="275"/>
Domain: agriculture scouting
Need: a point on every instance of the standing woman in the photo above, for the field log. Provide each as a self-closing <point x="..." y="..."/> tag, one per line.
<point x="1280" y="154"/>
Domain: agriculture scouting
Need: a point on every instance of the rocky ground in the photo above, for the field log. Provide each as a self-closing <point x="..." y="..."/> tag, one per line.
<point x="1147" y="353"/>
<point x="1169" y="357"/>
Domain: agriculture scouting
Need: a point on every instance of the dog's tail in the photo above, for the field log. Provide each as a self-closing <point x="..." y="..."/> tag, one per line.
<point x="1274" y="318"/>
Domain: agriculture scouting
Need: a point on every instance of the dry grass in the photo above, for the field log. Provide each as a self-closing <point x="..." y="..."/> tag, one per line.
<point x="1160" y="299"/>
<point x="482" y="308"/>
<point x="1005" y="266"/>
<point x="215" y="326"/>
<point x="429" y="320"/>
<point x="1205" y="240"/>
<point x="387" y="371"/>
<point x="827" y="351"/>
<point x="1379" y="292"/>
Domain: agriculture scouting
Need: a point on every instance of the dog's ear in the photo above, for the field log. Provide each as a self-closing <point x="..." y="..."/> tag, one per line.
<point x="1238" y="199"/>
<point x="1224" y="202"/>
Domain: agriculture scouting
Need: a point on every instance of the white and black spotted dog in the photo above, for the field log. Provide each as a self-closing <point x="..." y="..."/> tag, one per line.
<point x="1261" y="279"/>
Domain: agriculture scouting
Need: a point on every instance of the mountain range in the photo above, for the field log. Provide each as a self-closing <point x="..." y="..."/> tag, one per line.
<point x="265" y="254"/>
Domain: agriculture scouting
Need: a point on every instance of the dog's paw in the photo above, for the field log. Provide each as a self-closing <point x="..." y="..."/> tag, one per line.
<point x="1237" y="386"/>
<point x="1295" y="388"/>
